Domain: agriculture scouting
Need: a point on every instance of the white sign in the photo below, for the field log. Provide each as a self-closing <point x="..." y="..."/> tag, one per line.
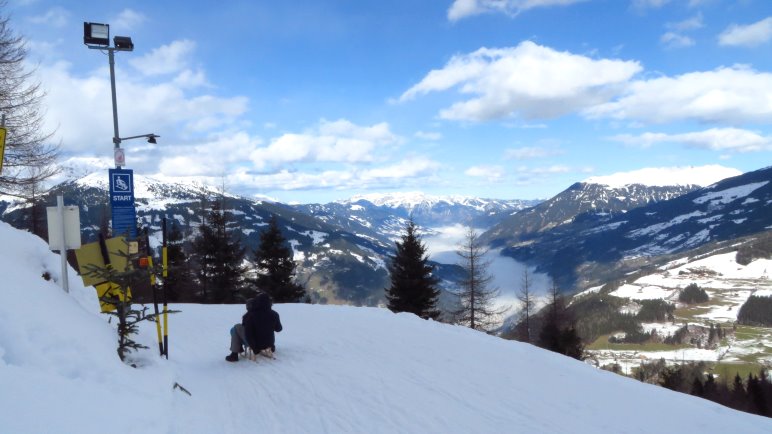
<point x="120" y="157"/>
<point x="71" y="228"/>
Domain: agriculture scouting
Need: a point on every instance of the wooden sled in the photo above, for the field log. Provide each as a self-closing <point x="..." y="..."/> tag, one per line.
<point x="249" y="354"/>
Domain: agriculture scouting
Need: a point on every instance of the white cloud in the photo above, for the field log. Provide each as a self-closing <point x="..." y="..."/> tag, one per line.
<point x="675" y="40"/>
<point x="546" y="170"/>
<point x="491" y="173"/>
<point x="143" y="108"/>
<point x="529" y="80"/>
<point x="433" y="136"/>
<point x="675" y="37"/>
<point x="409" y="168"/>
<point x="725" y="95"/>
<point x="535" y="175"/>
<point x="664" y="176"/>
<point x="54" y="17"/>
<point x="166" y="59"/>
<point x="410" y="172"/>
<point x="530" y="152"/>
<point x="647" y="4"/>
<point x="716" y="139"/>
<point x="127" y="20"/>
<point x="751" y="35"/>
<point x="336" y="141"/>
<point x="212" y="158"/>
<point x="465" y="8"/>
<point x="692" y="23"/>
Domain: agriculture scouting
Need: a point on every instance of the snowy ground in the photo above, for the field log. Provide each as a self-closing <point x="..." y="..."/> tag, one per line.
<point x="338" y="370"/>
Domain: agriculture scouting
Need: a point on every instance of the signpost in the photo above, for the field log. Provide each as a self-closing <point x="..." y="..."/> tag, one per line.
<point x="63" y="232"/>
<point x="122" y="202"/>
<point x="120" y="157"/>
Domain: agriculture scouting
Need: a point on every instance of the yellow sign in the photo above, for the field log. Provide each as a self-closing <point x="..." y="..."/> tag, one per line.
<point x="2" y="146"/>
<point x="91" y="254"/>
<point x="110" y="289"/>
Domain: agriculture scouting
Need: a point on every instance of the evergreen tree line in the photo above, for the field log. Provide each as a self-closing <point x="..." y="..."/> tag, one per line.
<point x="759" y="248"/>
<point x="212" y="267"/>
<point x="693" y="294"/>
<point x="756" y="311"/>
<point x="754" y="395"/>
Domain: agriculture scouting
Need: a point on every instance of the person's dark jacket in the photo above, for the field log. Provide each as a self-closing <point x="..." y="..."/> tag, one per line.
<point x="260" y="322"/>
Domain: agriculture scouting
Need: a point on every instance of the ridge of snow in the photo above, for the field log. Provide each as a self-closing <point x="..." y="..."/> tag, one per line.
<point x="144" y="186"/>
<point x="702" y="176"/>
<point x="338" y="369"/>
<point x="411" y="200"/>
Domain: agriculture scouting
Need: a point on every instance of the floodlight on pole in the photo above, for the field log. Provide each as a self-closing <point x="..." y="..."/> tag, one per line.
<point x="96" y="36"/>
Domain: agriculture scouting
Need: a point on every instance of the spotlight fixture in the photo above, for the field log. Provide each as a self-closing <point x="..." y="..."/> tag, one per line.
<point x="96" y="34"/>
<point x="123" y="43"/>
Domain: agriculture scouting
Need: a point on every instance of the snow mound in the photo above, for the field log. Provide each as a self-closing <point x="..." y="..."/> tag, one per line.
<point x="338" y="369"/>
<point x="667" y="176"/>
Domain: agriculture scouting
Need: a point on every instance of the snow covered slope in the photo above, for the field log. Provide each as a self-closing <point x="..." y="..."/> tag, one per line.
<point x="338" y="369"/>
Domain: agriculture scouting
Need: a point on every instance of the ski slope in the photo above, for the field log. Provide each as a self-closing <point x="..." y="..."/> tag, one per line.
<point x="338" y="370"/>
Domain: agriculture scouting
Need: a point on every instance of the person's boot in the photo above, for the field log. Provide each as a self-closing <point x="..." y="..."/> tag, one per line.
<point x="232" y="357"/>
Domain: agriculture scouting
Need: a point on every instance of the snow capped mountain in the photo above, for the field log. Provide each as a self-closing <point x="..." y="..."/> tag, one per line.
<point x="338" y="265"/>
<point x="387" y="213"/>
<point x="702" y="176"/>
<point x="578" y="200"/>
<point x="591" y="244"/>
<point x="413" y="200"/>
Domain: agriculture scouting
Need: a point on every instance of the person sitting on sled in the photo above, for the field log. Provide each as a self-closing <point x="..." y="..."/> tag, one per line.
<point x="256" y="329"/>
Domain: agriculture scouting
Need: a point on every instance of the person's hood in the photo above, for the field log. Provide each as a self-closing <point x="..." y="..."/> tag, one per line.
<point x="261" y="302"/>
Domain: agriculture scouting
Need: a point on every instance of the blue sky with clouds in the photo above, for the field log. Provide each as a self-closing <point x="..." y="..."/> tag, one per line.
<point x="312" y="100"/>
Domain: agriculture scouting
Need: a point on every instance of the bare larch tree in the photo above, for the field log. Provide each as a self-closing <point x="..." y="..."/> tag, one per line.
<point x="475" y="293"/>
<point x="27" y="145"/>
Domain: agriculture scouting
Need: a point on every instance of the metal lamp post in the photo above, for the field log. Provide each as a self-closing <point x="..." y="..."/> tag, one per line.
<point x="96" y="36"/>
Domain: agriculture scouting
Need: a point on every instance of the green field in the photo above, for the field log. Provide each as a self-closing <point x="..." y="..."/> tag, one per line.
<point x="602" y="343"/>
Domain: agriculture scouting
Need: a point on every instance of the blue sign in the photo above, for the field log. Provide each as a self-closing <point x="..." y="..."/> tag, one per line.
<point x="122" y="202"/>
<point x="121" y="188"/>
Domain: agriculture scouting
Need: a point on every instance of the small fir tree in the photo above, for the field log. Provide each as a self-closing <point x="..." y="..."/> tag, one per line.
<point x="119" y="297"/>
<point x="413" y="287"/>
<point x="276" y="268"/>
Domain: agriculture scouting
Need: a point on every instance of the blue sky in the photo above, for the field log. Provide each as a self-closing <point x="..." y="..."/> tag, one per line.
<point x="313" y="101"/>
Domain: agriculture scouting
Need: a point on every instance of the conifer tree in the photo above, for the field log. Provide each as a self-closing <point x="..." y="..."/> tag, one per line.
<point x="475" y="293"/>
<point x="219" y="255"/>
<point x="276" y="267"/>
<point x="558" y="331"/>
<point x="413" y="287"/>
<point x="178" y="283"/>
<point x="127" y="315"/>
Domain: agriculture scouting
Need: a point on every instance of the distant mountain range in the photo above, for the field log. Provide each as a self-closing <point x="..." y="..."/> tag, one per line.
<point x="600" y="244"/>
<point x="342" y="247"/>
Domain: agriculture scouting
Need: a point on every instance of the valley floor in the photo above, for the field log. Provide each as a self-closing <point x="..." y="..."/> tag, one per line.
<point x="728" y="284"/>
